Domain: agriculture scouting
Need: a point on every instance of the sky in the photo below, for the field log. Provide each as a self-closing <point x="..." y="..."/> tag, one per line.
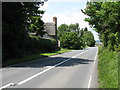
<point x="67" y="12"/>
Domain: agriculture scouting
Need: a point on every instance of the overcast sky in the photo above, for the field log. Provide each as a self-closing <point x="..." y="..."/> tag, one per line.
<point x="66" y="11"/>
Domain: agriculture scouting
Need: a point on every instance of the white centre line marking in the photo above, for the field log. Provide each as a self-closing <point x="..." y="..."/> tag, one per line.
<point x="6" y="86"/>
<point x="24" y="81"/>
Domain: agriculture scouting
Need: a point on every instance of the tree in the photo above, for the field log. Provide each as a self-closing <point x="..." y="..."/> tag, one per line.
<point x="104" y="17"/>
<point x="36" y="26"/>
<point x="74" y="27"/>
<point x="88" y="38"/>
<point x="68" y="28"/>
<point x="85" y="29"/>
<point x="84" y="36"/>
<point x="16" y="18"/>
<point x="71" y="40"/>
<point x="63" y="28"/>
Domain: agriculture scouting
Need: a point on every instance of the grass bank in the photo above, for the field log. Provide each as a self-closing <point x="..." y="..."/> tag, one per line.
<point x="119" y="70"/>
<point x="33" y="57"/>
<point x="108" y="68"/>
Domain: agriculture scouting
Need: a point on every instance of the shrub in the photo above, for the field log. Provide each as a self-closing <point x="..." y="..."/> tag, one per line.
<point x="30" y="45"/>
<point x="71" y="40"/>
<point x="37" y="44"/>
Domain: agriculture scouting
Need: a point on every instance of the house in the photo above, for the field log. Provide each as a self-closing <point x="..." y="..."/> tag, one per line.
<point x="51" y="29"/>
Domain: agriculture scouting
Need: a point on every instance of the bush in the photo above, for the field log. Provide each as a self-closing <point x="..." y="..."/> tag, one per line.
<point x="71" y="40"/>
<point x="30" y="45"/>
<point x="39" y="44"/>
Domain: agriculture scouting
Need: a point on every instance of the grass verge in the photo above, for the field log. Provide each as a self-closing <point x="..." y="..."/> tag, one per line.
<point x="119" y="70"/>
<point x="33" y="57"/>
<point x="108" y="68"/>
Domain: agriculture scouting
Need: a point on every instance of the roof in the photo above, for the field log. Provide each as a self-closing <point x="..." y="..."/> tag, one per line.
<point x="50" y="28"/>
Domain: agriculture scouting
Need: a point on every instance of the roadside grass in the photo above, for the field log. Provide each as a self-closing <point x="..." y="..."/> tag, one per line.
<point x="119" y="70"/>
<point x="33" y="57"/>
<point x="108" y="68"/>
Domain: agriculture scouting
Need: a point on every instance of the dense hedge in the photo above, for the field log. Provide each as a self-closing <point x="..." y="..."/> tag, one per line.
<point x="36" y="43"/>
<point x="30" y="45"/>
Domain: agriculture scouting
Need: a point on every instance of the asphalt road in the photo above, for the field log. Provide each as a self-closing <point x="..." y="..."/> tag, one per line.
<point x="76" y="69"/>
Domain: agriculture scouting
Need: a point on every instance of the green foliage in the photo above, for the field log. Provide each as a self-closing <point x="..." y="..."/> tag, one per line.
<point x="68" y="28"/>
<point x="70" y="40"/>
<point x="34" y="45"/>
<point x="104" y="17"/>
<point x="88" y="38"/>
<point x="19" y="19"/>
<point x="119" y="70"/>
<point x="37" y="44"/>
<point x="85" y="29"/>
<point x="72" y="37"/>
<point x="36" y="26"/>
<point x="74" y="28"/>
<point x="63" y="28"/>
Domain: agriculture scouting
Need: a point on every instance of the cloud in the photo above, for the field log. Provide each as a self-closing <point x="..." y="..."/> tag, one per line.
<point x="68" y="17"/>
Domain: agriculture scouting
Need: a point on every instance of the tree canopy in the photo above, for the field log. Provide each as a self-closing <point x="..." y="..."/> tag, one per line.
<point x="70" y="40"/>
<point x="104" y="17"/>
<point x="71" y="36"/>
<point x="19" y="18"/>
<point x="88" y="38"/>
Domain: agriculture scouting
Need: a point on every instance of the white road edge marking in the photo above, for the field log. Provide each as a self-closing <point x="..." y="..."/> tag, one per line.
<point x="96" y="55"/>
<point x="89" y="81"/>
<point x="91" y="75"/>
<point x="6" y="86"/>
<point x="24" y="81"/>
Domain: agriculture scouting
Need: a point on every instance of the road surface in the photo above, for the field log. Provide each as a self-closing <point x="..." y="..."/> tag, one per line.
<point x="76" y="69"/>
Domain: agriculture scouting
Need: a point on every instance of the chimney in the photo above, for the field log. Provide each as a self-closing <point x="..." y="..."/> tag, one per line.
<point x="55" y="20"/>
<point x="56" y="38"/>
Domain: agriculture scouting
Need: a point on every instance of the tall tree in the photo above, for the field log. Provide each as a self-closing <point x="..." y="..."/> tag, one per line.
<point x="16" y="18"/>
<point x="84" y="36"/>
<point x="88" y="38"/>
<point x="104" y="17"/>
<point x="68" y="28"/>
<point x="62" y="29"/>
